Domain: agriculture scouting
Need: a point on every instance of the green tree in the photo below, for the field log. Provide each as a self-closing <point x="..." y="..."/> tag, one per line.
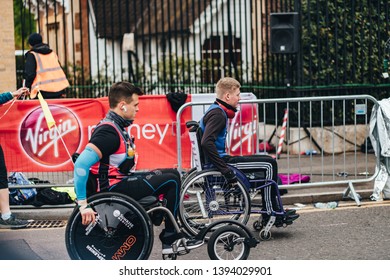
<point x="342" y="41"/>
<point x="24" y="22"/>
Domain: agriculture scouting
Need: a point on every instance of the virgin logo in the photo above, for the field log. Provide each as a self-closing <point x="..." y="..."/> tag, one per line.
<point x="242" y="131"/>
<point x="47" y="146"/>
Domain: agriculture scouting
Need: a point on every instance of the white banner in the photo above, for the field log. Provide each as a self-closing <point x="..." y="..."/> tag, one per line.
<point x="189" y="269"/>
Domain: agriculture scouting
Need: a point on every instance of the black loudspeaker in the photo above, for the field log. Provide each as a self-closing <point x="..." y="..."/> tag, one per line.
<point x="284" y="33"/>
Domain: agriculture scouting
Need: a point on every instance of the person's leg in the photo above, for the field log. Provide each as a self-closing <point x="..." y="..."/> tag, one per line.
<point x="4" y="193"/>
<point x="261" y="167"/>
<point x="155" y="182"/>
<point x="4" y="203"/>
<point x="265" y="168"/>
<point x="7" y="220"/>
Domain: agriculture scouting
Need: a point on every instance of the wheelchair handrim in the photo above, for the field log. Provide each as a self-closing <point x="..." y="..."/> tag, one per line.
<point x="124" y="231"/>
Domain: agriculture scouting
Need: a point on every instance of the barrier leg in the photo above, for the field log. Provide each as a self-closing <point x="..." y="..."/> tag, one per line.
<point x="351" y="190"/>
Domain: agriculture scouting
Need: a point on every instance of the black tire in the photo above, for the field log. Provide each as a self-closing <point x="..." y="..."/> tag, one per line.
<point x="265" y="235"/>
<point x="226" y="243"/>
<point x="206" y="197"/>
<point x="123" y="231"/>
<point x="188" y="175"/>
<point x="257" y="225"/>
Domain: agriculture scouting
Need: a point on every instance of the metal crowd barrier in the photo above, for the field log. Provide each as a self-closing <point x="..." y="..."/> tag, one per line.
<point x="324" y="139"/>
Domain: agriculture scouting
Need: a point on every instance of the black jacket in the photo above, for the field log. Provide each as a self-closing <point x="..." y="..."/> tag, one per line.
<point x="215" y="122"/>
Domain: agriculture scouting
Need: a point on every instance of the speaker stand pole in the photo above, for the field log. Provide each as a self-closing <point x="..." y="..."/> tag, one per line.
<point x="288" y="91"/>
<point x="288" y="77"/>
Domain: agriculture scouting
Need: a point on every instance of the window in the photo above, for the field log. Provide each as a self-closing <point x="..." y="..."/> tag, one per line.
<point x="220" y="57"/>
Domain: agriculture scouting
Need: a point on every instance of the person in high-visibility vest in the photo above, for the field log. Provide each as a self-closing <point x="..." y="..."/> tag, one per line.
<point x="42" y="70"/>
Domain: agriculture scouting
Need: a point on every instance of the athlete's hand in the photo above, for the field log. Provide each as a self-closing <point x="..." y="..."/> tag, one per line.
<point x="87" y="213"/>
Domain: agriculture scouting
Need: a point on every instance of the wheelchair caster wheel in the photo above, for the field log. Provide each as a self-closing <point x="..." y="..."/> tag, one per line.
<point x="228" y="243"/>
<point x="257" y="226"/>
<point x="264" y="235"/>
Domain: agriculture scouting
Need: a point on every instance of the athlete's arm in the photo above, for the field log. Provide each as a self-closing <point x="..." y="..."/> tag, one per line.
<point x="86" y="159"/>
<point x="104" y="141"/>
<point x="30" y="69"/>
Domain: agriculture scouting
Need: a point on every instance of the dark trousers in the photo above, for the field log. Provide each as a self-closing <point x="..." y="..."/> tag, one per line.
<point x="156" y="182"/>
<point x="262" y="167"/>
<point x="3" y="171"/>
<point x="52" y="95"/>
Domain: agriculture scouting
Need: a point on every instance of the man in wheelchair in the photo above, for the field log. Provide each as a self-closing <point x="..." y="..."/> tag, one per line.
<point x="108" y="164"/>
<point x="214" y="125"/>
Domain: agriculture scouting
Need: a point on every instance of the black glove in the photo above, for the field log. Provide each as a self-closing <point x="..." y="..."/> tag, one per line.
<point x="230" y="177"/>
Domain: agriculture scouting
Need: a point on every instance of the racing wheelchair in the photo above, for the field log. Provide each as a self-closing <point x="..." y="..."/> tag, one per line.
<point x="206" y="196"/>
<point x="123" y="230"/>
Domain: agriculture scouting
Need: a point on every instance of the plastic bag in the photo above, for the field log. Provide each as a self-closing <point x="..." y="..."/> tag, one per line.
<point x="19" y="196"/>
<point x="381" y="185"/>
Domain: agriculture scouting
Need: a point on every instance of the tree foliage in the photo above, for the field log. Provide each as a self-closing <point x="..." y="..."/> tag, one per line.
<point x="343" y="41"/>
<point x="23" y="21"/>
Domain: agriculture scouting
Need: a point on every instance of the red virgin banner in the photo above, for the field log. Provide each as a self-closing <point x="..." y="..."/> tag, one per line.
<point x="154" y="131"/>
<point x="243" y="131"/>
<point x="29" y="146"/>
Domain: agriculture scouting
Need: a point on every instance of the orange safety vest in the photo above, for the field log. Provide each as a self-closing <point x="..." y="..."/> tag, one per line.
<point x="50" y="76"/>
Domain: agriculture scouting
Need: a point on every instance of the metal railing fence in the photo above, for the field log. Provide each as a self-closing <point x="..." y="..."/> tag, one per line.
<point x="328" y="150"/>
<point x="187" y="45"/>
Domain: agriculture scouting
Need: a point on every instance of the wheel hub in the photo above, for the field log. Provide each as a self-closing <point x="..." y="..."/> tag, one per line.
<point x="110" y="233"/>
<point x="213" y="205"/>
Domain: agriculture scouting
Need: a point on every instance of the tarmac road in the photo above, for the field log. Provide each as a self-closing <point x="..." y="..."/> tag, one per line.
<point x="345" y="233"/>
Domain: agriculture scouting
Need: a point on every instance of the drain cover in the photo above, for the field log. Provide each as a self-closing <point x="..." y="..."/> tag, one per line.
<point x="46" y="224"/>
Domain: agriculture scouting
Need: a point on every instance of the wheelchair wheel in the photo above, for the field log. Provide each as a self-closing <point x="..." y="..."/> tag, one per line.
<point x="207" y="197"/>
<point x="188" y="176"/>
<point x="122" y="231"/>
<point x="227" y="243"/>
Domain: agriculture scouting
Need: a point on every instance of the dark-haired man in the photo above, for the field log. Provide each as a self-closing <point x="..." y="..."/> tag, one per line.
<point x="110" y="156"/>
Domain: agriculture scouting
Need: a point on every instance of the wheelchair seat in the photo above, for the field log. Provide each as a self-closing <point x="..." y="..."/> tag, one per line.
<point x="148" y="201"/>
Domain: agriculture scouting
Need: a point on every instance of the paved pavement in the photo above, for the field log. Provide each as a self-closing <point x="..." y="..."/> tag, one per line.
<point x="345" y="233"/>
<point x="299" y="196"/>
<point x="319" y="169"/>
<point x="50" y="244"/>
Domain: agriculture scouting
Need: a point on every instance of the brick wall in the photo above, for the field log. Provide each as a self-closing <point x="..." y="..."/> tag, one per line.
<point x="7" y="49"/>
